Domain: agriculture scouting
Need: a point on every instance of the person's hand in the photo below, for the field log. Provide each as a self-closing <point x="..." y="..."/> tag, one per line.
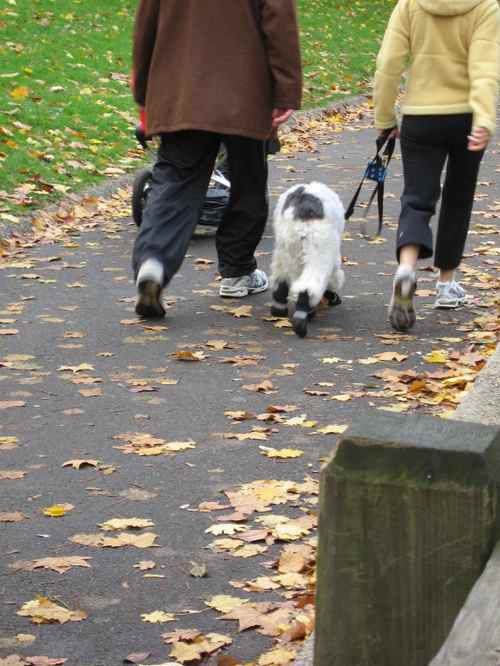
<point x="389" y="134"/>
<point x="280" y="116"/>
<point x="479" y="139"/>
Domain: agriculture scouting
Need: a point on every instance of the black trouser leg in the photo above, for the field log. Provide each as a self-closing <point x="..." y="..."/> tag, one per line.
<point x="180" y="181"/>
<point x="423" y="162"/>
<point x="456" y="206"/>
<point x="244" y="222"/>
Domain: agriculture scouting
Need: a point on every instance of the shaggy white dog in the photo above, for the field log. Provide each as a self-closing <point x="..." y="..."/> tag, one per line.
<point x="307" y="264"/>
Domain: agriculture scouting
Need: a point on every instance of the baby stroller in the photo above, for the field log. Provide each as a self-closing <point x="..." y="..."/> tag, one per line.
<point x="217" y="198"/>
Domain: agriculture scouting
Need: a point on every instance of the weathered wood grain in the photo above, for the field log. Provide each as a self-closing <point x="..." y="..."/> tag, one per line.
<point x="408" y="520"/>
<point x="475" y="637"/>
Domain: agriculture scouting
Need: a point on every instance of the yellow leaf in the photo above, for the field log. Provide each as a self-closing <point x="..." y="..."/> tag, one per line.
<point x="300" y="421"/>
<point x="43" y="611"/>
<point x="281" y="453"/>
<point x="57" y="510"/>
<point x="183" y="652"/>
<point x="242" y="437"/>
<point x="158" y="617"/>
<point x="117" y="524"/>
<point x="343" y="397"/>
<point x="224" y="603"/>
<point x="436" y="356"/>
<point x="146" y="540"/>
<point x="225" y="528"/>
<point x="330" y="360"/>
<point x="243" y="311"/>
<point x="332" y="429"/>
<point x="20" y="94"/>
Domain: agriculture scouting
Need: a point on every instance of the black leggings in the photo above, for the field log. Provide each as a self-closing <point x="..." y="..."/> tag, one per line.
<point x="426" y="143"/>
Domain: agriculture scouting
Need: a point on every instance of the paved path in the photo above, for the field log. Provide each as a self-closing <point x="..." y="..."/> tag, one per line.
<point x="79" y="311"/>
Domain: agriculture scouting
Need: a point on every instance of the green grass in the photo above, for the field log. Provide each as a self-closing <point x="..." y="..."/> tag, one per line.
<point x="66" y="112"/>
<point x="340" y="40"/>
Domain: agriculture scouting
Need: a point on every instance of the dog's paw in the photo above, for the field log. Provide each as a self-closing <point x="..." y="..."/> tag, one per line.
<point x="332" y="299"/>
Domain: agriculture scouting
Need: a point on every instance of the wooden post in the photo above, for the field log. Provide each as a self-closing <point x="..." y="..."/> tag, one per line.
<point x="475" y="637"/>
<point x="408" y="519"/>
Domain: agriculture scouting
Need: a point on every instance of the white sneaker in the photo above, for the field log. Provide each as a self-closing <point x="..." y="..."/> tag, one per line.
<point x="450" y="295"/>
<point x="239" y="287"/>
<point x="149" y="287"/>
<point x="401" y="309"/>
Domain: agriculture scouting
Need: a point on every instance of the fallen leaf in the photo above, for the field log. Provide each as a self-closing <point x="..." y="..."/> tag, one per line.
<point x="15" y="517"/>
<point x="332" y="430"/>
<point x="57" y="510"/>
<point x="83" y="367"/>
<point x="344" y="397"/>
<point x="12" y="475"/>
<point x="281" y="453"/>
<point x="242" y="311"/>
<point x="118" y="524"/>
<point x="237" y="416"/>
<point x="44" y="661"/>
<point x="79" y="463"/>
<point x="158" y="617"/>
<point x="91" y="393"/>
<point x="8" y="443"/>
<point x="225" y="528"/>
<point x="224" y="603"/>
<point x="254" y="435"/>
<point x="436" y="356"/>
<point x="265" y="387"/>
<point x="198" y="570"/>
<point x="145" y="565"/>
<point x="146" y="540"/>
<point x="43" y="611"/>
<point x="11" y="404"/>
<point x="189" y="356"/>
<point x="58" y="564"/>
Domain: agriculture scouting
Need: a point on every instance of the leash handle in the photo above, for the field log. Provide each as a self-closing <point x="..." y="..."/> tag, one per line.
<point x="390" y="146"/>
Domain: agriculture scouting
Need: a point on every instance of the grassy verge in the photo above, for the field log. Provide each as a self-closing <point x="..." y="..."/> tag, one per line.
<point x="65" y="109"/>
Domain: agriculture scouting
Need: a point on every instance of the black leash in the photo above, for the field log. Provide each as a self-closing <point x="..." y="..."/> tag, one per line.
<point x="376" y="171"/>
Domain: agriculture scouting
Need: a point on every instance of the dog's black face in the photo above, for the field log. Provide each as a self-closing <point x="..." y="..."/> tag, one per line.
<point x="306" y="206"/>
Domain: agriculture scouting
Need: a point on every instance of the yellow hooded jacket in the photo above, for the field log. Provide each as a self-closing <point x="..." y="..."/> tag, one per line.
<point x="452" y="49"/>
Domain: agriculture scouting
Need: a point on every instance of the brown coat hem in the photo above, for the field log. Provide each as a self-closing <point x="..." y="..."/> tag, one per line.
<point x="216" y="129"/>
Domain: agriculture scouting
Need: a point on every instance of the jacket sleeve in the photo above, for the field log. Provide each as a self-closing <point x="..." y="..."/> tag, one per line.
<point x="391" y="63"/>
<point x="146" y="24"/>
<point x="484" y="68"/>
<point x="281" y="33"/>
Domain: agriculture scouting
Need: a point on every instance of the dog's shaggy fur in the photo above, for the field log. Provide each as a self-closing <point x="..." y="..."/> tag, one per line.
<point x="307" y="264"/>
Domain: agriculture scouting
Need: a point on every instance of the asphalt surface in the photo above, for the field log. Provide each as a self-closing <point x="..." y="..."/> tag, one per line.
<point x="62" y="324"/>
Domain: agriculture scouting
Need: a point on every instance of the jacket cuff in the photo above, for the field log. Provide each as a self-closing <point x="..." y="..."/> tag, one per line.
<point x="387" y="124"/>
<point x="485" y="122"/>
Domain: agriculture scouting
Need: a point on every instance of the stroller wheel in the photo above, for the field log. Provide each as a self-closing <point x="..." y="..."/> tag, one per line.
<point x="140" y="193"/>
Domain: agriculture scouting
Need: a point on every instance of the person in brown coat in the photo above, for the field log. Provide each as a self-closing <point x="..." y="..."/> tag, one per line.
<point x="209" y="71"/>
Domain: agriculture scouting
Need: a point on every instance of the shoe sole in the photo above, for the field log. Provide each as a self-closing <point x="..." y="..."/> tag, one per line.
<point x="402" y="314"/>
<point x="149" y="304"/>
<point x="242" y="293"/>
<point x="452" y="305"/>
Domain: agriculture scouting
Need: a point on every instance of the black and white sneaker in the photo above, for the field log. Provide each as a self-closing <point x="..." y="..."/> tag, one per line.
<point x="402" y="309"/>
<point x="149" y="288"/>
